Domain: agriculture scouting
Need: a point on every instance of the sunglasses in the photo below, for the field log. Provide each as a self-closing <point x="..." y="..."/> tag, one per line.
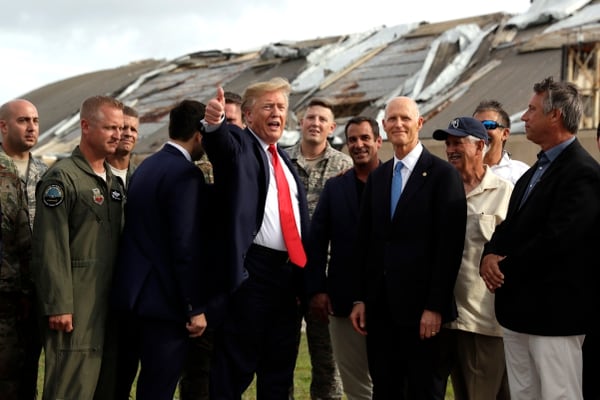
<point x="491" y="124"/>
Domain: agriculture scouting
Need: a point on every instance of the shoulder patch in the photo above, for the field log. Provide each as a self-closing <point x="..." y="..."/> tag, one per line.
<point x="53" y="195"/>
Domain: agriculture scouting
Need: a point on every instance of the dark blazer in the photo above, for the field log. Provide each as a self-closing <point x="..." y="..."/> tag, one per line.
<point x="335" y="223"/>
<point x="241" y="170"/>
<point x="410" y="263"/>
<point x="161" y="271"/>
<point x="550" y="245"/>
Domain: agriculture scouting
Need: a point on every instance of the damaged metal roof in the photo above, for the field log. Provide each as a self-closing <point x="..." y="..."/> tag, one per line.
<point x="448" y="67"/>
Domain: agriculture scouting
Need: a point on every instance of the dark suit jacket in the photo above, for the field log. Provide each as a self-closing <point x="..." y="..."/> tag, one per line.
<point x="241" y="170"/>
<point x="550" y="245"/>
<point x="410" y="263"/>
<point x="335" y="223"/>
<point x="161" y="269"/>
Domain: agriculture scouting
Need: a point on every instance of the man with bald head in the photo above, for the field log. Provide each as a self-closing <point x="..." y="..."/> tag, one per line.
<point x="411" y="231"/>
<point x="19" y="126"/>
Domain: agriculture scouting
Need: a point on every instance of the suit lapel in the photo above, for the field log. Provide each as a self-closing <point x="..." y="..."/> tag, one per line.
<point x="553" y="168"/>
<point x="349" y="191"/>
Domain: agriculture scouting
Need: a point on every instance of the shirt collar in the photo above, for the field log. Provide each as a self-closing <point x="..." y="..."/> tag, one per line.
<point x="182" y="150"/>
<point x="410" y="160"/>
<point x="556" y="150"/>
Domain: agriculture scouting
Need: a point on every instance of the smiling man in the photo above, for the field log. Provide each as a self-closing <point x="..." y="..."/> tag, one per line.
<point x="472" y="344"/>
<point x="120" y="162"/>
<point x="497" y="122"/>
<point x="411" y="231"/>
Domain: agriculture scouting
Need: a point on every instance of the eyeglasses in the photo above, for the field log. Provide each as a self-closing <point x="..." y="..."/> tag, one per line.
<point x="491" y="124"/>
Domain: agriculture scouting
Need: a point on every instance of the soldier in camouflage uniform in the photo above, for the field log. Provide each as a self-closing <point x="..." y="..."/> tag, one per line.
<point x="75" y="241"/>
<point x="316" y="161"/>
<point x="19" y="126"/>
<point x="15" y="286"/>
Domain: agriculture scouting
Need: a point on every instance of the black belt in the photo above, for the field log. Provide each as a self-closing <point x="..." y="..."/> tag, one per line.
<point x="277" y="256"/>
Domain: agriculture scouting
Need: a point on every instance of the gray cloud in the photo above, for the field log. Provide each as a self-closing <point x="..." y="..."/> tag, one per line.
<point x="43" y="41"/>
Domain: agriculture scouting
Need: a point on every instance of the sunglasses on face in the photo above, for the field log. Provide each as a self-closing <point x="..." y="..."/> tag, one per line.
<point x="491" y="124"/>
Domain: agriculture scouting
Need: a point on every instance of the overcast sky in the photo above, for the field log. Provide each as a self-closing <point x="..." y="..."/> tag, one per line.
<point x="44" y="41"/>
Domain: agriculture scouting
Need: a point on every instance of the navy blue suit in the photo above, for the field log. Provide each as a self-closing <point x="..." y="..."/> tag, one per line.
<point x="259" y="327"/>
<point x="334" y="223"/>
<point x="405" y="265"/>
<point x="161" y="277"/>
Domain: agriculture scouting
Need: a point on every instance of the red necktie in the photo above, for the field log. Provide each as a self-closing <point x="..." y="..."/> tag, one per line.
<point x="286" y="214"/>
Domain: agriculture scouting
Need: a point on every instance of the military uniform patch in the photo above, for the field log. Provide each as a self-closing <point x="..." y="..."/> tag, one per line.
<point x="116" y="195"/>
<point x="97" y="196"/>
<point x="53" y="195"/>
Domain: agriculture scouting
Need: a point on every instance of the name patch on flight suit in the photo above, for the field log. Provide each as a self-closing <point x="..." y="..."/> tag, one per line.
<point x="53" y="195"/>
<point x="97" y="196"/>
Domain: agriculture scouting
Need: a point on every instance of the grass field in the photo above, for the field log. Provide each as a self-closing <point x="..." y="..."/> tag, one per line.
<point x="301" y="379"/>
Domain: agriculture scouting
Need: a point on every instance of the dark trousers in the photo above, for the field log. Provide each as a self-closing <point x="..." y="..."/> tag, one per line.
<point x="32" y="338"/>
<point x="128" y="354"/>
<point x="591" y="366"/>
<point x="402" y="366"/>
<point x="194" y="381"/>
<point x="258" y="335"/>
<point x="20" y="347"/>
<point x="160" y="347"/>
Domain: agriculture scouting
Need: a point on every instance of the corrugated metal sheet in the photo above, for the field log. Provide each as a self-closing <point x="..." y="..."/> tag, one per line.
<point x="378" y="66"/>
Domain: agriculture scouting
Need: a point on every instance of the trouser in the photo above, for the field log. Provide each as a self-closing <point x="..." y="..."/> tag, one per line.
<point x="543" y="367"/>
<point x="325" y="383"/>
<point x="402" y="365"/>
<point x="163" y="349"/>
<point x="350" y="353"/>
<point x="72" y="364"/>
<point x="258" y="335"/>
<point x="194" y="382"/>
<point x="591" y="366"/>
<point x="13" y="349"/>
<point x="475" y="363"/>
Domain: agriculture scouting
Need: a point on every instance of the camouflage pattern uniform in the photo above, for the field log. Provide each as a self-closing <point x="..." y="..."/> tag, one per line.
<point x="15" y="283"/>
<point x="325" y="382"/>
<point x="206" y="168"/>
<point x="35" y="170"/>
<point x="30" y="326"/>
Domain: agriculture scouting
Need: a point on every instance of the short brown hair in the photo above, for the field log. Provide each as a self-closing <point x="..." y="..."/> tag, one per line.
<point x="91" y="106"/>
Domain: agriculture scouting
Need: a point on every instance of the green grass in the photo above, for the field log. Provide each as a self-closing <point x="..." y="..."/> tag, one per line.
<point x="301" y="379"/>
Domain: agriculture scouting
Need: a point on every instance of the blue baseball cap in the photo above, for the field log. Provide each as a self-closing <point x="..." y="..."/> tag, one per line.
<point x="461" y="127"/>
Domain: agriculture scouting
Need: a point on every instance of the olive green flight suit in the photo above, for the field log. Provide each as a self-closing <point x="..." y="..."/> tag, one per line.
<point x="75" y="239"/>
